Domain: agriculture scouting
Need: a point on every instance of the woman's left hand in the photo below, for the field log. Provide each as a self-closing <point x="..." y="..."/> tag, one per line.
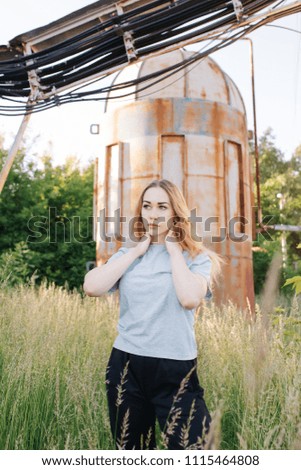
<point x="172" y="246"/>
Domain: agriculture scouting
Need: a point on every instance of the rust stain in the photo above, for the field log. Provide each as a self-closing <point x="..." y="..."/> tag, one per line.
<point x="191" y="117"/>
<point x="95" y="198"/>
<point x="215" y="127"/>
<point x="157" y="117"/>
<point x="162" y="109"/>
<point x="160" y="115"/>
<point x="214" y="67"/>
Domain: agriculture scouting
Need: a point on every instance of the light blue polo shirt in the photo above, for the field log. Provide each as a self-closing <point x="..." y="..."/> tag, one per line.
<point x="152" y="321"/>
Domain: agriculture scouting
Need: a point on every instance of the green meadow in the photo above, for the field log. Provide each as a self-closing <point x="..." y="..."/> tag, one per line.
<point x="54" y="349"/>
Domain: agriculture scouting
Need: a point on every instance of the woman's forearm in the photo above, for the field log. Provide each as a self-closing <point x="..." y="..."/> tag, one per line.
<point x="190" y="288"/>
<point x="99" y="280"/>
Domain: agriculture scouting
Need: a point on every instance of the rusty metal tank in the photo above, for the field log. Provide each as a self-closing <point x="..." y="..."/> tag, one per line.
<point x="191" y="129"/>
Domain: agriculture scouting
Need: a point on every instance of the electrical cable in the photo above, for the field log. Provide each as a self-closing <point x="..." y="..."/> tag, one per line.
<point x="100" y="49"/>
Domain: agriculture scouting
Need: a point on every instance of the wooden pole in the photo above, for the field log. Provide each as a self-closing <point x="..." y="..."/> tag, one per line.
<point x="13" y="151"/>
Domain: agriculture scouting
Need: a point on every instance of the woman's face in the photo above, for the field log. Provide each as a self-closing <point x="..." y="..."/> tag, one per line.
<point x="156" y="211"/>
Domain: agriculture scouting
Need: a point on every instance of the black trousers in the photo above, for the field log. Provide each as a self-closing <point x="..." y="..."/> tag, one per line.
<point x="141" y="389"/>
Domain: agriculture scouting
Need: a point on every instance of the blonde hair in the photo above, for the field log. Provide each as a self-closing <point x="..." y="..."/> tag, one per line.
<point x="183" y="224"/>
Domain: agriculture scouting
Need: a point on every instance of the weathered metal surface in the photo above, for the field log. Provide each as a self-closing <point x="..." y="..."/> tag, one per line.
<point x="209" y="83"/>
<point x="95" y="197"/>
<point x="193" y="133"/>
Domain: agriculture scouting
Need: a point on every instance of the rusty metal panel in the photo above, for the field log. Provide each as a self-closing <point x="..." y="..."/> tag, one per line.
<point x="173" y="158"/>
<point x="205" y="155"/>
<point x="233" y="287"/>
<point x="199" y="117"/>
<point x="205" y="195"/>
<point x="208" y="83"/>
<point x="178" y="116"/>
<point x="234" y="187"/>
<point x="142" y="118"/>
<point x="147" y="163"/>
<point x="132" y="189"/>
<point x="113" y="175"/>
<point x="171" y="87"/>
<point x="236" y="100"/>
<point x="101" y="247"/>
<point x="95" y="199"/>
<point x="109" y="197"/>
<point x="249" y="213"/>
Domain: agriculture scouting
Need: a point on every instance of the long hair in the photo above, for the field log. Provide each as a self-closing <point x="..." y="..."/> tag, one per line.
<point x="182" y="227"/>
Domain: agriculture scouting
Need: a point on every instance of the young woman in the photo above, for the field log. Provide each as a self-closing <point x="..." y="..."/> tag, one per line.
<point x="152" y="370"/>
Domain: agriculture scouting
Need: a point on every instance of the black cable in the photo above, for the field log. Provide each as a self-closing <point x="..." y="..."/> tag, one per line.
<point x="86" y="54"/>
<point x="63" y="100"/>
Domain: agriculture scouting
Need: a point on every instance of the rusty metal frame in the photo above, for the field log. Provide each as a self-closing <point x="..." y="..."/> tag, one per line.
<point x="183" y="158"/>
<point x="33" y="79"/>
<point x="256" y="150"/>
<point x="128" y="41"/>
<point x="121" y="148"/>
<point x="238" y="8"/>
<point x="107" y="188"/>
<point x="95" y="199"/>
<point x="241" y="187"/>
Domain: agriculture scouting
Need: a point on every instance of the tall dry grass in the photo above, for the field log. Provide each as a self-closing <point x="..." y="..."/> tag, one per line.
<point x="252" y="374"/>
<point x="54" y="348"/>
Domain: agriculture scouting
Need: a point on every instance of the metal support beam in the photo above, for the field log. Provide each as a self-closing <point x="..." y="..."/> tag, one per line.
<point x="33" y="79"/>
<point x="129" y="46"/>
<point x="283" y="228"/>
<point x="256" y="149"/>
<point x="239" y="9"/>
<point x="13" y="151"/>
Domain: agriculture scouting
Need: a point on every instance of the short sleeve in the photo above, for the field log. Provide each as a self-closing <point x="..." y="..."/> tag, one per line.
<point x="116" y="255"/>
<point x="201" y="264"/>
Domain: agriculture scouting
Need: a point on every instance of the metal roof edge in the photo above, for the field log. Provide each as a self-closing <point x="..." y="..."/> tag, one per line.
<point x="27" y="36"/>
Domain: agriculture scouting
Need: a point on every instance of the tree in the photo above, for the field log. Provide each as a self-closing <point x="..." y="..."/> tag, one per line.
<point x="46" y="218"/>
<point x="278" y="176"/>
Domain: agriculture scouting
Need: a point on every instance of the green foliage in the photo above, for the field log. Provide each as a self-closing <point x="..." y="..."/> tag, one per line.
<point x="261" y="261"/>
<point x="41" y="206"/>
<point x="18" y="265"/>
<point x="46" y="222"/>
<point x="278" y="176"/>
<point x="295" y="281"/>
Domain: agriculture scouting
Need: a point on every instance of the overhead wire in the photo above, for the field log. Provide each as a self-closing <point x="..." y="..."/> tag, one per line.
<point x="34" y="56"/>
<point x="101" y="48"/>
<point x="71" y="97"/>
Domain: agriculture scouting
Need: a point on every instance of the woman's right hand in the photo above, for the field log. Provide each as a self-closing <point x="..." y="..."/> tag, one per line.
<point x="142" y="246"/>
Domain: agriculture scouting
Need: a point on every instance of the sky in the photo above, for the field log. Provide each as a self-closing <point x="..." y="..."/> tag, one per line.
<point x="65" y="130"/>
